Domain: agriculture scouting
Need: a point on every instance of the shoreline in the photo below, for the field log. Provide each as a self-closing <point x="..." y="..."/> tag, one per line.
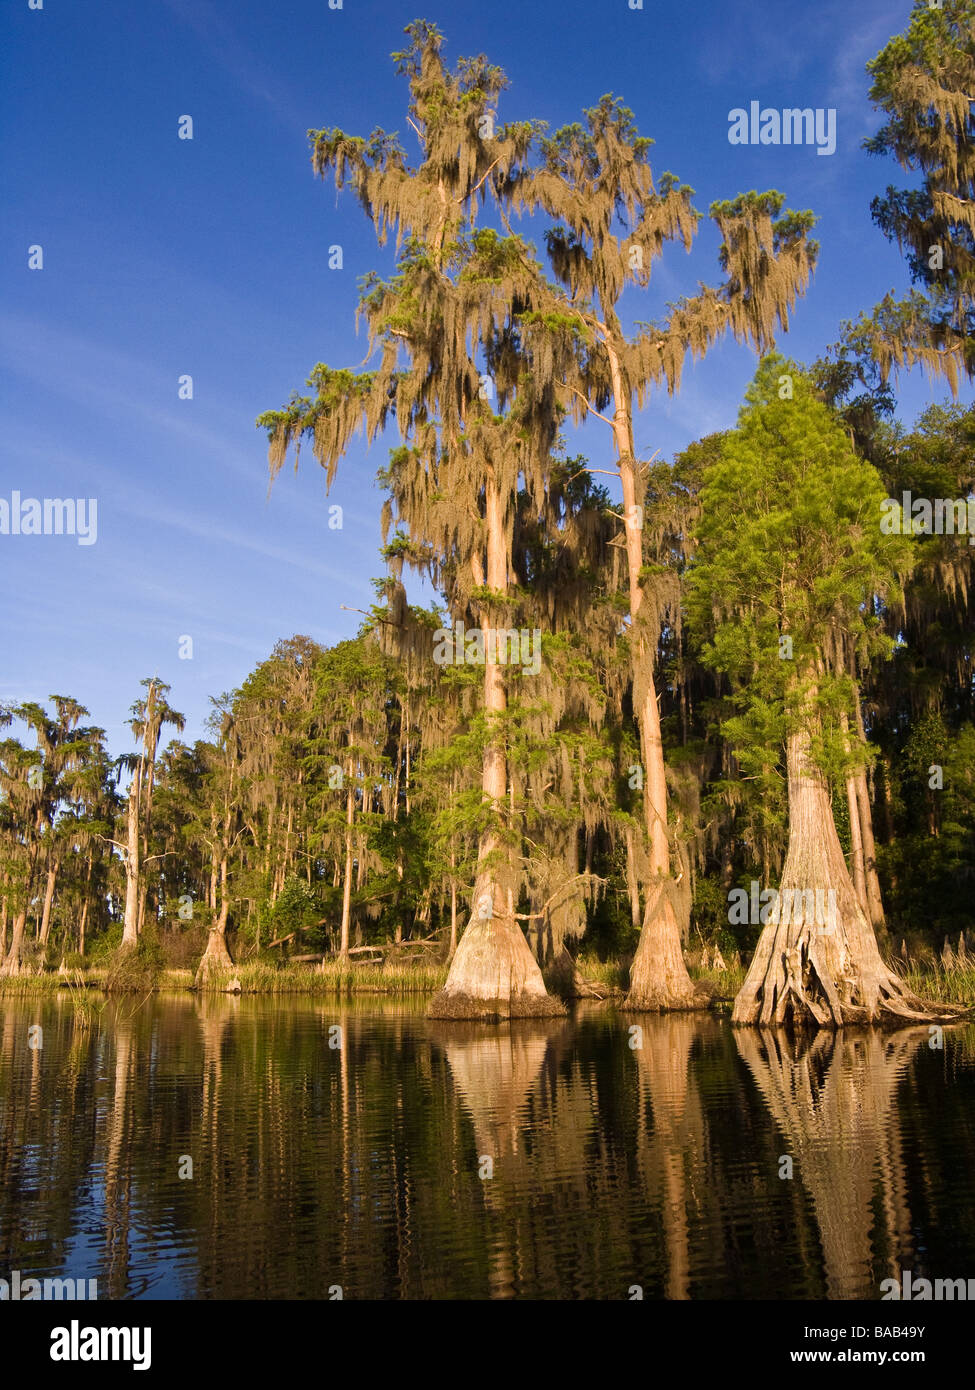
<point x="955" y="985"/>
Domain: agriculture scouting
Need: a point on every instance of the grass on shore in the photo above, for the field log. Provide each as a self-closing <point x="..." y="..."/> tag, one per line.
<point x="953" y="983"/>
<point x="253" y="977"/>
<point x="334" y="977"/>
<point x="948" y="982"/>
<point x="933" y="979"/>
<point x="615" y="974"/>
<point x="48" y="983"/>
<point x="723" y="984"/>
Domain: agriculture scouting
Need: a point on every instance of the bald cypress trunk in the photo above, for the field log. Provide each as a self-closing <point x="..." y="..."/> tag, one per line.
<point x="632" y="883"/>
<point x="875" y="906"/>
<point x="130" y="929"/>
<point x="452" y="944"/>
<point x="856" y="844"/>
<point x="817" y="961"/>
<point x="658" y="975"/>
<point x="45" y="927"/>
<point x="83" y="923"/>
<point x="347" y="881"/>
<point x="493" y="973"/>
<point x="12" y="963"/>
<point x="82" y="926"/>
<point x="217" y="957"/>
<point x="862" y="848"/>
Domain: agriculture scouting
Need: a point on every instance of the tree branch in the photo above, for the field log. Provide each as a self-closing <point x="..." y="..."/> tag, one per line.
<point x="590" y="411"/>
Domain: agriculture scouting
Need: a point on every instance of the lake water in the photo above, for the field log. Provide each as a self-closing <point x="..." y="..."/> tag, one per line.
<point x="454" y="1161"/>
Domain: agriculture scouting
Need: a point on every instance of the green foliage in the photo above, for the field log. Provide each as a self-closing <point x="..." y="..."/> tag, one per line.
<point x="791" y="572"/>
<point x="297" y="908"/>
<point x="922" y="82"/>
<point x="138" y="968"/>
<point x="930" y="862"/>
<point x="769" y="597"/>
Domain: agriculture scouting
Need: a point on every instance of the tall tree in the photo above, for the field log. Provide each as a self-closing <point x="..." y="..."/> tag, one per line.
<point x="148" y="717"/>
<point x="224" y="794"/>
<point x="29" y="810"/>
<point x="457" y="311"/>
<point x="924" y="83"/>
<point x="66" y="750"/>
<point x="790" y="548"/>
<point x="351" y="699"/>
<point x="38" y="787"/>
<point x="612" y="222"/>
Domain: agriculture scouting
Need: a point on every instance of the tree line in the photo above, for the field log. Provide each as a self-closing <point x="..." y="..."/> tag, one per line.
<point x="746" y="673"/>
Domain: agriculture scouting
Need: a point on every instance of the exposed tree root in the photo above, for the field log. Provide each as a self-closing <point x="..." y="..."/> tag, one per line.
<point x="795" y="981"/>
<point x="817" y="963"/>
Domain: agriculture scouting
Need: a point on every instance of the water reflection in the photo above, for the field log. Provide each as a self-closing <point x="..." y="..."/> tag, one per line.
<point x="832" y="1100"/>
<point x="672" y="1137"/>
<point x="221" y="1147"/>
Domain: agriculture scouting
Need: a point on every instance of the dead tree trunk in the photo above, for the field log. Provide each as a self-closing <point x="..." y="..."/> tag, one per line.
<point x="52" y="878"/>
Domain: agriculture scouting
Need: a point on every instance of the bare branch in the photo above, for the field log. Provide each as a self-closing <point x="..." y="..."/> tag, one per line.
<point x="589" y="408"/>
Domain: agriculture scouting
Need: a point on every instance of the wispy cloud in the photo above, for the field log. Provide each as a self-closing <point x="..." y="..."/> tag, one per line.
<point x="214" y="533"/>
<point x="849" y="80"/>
<point x="218" y="36"/>
<point x="114" y="385"/>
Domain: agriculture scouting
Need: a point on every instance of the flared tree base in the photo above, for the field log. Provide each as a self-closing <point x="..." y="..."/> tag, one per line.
<point x="794" y="981"/>
<point x="659" y="981"/>
<point x="465" y="1006"/>
<point x="214" y="963"/>
<point x="665" y="1001"/>
<point x="817" y="963"/>
<point x="494" y="976"/>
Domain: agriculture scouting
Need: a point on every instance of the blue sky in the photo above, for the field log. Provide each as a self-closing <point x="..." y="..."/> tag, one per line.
<point x="208" y="257"/>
